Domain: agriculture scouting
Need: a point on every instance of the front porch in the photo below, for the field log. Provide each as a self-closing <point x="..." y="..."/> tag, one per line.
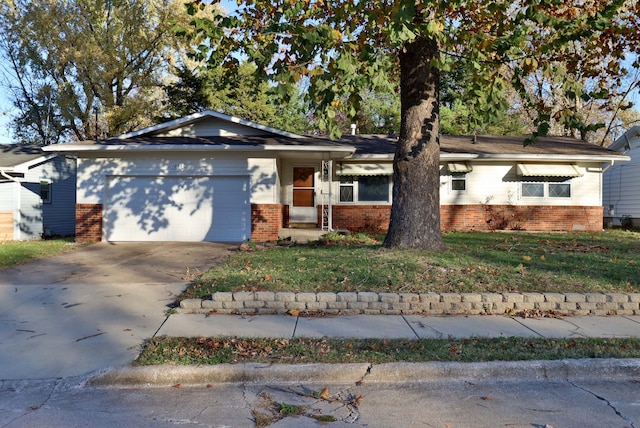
<point x="301" y="235"/>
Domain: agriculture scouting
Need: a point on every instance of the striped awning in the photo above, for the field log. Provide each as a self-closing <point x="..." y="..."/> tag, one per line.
<point x="365" y="169"/>
<point x="548" y="170"/>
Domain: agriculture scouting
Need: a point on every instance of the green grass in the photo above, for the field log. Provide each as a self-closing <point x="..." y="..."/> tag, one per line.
<point x="475" y="262"/>
<point x="190" y="351"/>
<point x="18" y="252"/>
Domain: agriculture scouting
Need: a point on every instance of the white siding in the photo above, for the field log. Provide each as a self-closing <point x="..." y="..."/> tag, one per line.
<point x="7" y="202"/>
<point x="92" y="172"/>
<point x="497" y="183"/>
<point x="213" y="127"/>
<point x="622" y="187"/>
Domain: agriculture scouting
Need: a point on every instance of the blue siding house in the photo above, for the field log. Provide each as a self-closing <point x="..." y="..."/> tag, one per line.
<point x="37" y="193"/>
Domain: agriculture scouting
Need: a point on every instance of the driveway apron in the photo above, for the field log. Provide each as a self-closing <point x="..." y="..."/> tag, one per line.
<point x="91" y="308"/>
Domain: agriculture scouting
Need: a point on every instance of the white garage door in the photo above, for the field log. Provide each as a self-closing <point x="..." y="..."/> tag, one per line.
<point x="187" y="209"/>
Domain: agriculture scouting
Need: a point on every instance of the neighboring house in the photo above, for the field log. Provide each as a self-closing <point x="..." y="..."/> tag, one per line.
<point x="37" y="193"/>
<point x="621" y="194"/>
<point x="213" y="177"/>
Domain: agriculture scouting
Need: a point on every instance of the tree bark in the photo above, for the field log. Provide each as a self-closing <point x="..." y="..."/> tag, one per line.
<point x="415" y="210"/>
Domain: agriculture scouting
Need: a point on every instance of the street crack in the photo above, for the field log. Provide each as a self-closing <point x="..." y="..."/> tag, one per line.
<point x="608" y="403"/>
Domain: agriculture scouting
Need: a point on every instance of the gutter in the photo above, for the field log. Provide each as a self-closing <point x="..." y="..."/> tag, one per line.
<point x="611" y="163"/>
<point x="8" y="177"/>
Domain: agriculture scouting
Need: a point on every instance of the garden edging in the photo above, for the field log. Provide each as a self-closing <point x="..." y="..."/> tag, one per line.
<point x="369" y="303"/>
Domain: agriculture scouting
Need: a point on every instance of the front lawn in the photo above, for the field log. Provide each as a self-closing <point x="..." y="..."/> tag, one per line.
<point x="18" y="252"/>
<point x="195" y="351"/>
<point x="475" y="262"/>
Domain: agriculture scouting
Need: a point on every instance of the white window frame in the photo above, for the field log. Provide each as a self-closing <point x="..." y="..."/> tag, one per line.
<point x="546" y="183"/>
<point x="355" y="185"/>
<point x="458" y="177"/>
<point x="48" y="199"/>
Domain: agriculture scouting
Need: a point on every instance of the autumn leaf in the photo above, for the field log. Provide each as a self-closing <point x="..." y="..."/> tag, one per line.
<point x="293" y="312"/>
<point x="324" y="393"/>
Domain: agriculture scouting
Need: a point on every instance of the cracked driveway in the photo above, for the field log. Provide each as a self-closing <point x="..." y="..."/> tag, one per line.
<point x="91" y="308"/>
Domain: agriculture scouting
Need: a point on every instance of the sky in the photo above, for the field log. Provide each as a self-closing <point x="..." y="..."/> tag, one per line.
<point x="229" y="5"/>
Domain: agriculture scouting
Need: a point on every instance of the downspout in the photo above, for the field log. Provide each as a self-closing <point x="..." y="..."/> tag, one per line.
<point x="611" y="163"/>
<point x="18" y="198"/>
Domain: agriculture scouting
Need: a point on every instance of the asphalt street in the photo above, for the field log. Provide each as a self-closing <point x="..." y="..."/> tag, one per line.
<point x="445" y="404"/>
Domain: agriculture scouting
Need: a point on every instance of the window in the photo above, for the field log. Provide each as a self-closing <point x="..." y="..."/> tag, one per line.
<point x="45" y="191"/>
<point x="362" y="188"/>
<point x="552" y="187"/>
<point x="346" y="188"/>
<point x="458" y="181"/>
<point x="559" y="190"/>
<point x="373" y="189"/>
<point x="533" y="190"/>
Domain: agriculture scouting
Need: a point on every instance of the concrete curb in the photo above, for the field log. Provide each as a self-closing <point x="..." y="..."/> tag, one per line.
<point x="368" y="303"/>
<point x="557" y="370"/>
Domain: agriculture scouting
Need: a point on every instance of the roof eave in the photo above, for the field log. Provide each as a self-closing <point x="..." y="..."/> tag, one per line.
<point x="194" y="147"/>
<point x="533" y="157"/>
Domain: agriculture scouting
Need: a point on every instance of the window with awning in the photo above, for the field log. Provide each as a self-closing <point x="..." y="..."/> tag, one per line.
<point x="548" y="170"/>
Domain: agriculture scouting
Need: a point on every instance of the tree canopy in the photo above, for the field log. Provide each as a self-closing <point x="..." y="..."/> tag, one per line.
<point x="69" y="62"/>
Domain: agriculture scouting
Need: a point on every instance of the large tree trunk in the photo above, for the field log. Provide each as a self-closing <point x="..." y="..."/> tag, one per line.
<point x="415" y="213"/>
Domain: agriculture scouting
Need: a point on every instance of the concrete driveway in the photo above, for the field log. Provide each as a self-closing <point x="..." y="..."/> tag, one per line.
<point x="91" y="308"/>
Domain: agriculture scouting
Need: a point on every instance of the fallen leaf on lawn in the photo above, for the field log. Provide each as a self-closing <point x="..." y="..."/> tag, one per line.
<point x="526" y="258"/>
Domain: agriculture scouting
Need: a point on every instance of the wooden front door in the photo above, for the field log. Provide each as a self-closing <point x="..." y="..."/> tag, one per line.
<point x="303" y="207"/>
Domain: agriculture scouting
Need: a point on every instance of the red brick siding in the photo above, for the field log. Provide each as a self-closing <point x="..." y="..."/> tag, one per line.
<point x="88" y="222"/>
<point x="480" y="217"/>
<point x="361" y="217"/>
<point x="510" y="217"/>
<point x="266" y="221"/>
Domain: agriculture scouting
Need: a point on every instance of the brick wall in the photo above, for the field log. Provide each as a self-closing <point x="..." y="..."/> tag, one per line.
<point x="480" y="217"/>
<point x="361" y="217"/>
<point x="88" y="222"/>
<point x="510" y="217"/>
<point x="266" y="221"/>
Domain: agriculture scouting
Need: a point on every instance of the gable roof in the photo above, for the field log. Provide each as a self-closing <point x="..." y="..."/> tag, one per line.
<point x="212" y="131"/>
<point x="164" y="128"/>
<point x="19" y="157"/>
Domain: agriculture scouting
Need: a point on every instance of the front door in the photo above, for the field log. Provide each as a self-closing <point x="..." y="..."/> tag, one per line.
<point x="303" y="207"/>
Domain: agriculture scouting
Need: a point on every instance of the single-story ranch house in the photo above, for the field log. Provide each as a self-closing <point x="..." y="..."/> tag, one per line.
<point x="37" y="193"/>
<point x="213" y="177"/>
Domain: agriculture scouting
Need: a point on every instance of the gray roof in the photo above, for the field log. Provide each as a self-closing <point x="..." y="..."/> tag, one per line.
<point x="484" y="145"/>
<point x="12" y="155"/>
<point x="380" y="146"/>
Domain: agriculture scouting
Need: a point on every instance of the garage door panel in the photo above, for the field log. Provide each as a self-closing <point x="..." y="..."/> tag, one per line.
<point x="189" y="209"/>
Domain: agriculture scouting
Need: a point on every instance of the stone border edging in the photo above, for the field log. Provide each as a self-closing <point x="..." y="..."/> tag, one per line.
<point x="369" y="303"/>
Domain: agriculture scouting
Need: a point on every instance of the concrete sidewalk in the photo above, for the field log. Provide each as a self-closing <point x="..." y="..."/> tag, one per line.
<point x="383" y="326"/>
<point x="398" y="326"/>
